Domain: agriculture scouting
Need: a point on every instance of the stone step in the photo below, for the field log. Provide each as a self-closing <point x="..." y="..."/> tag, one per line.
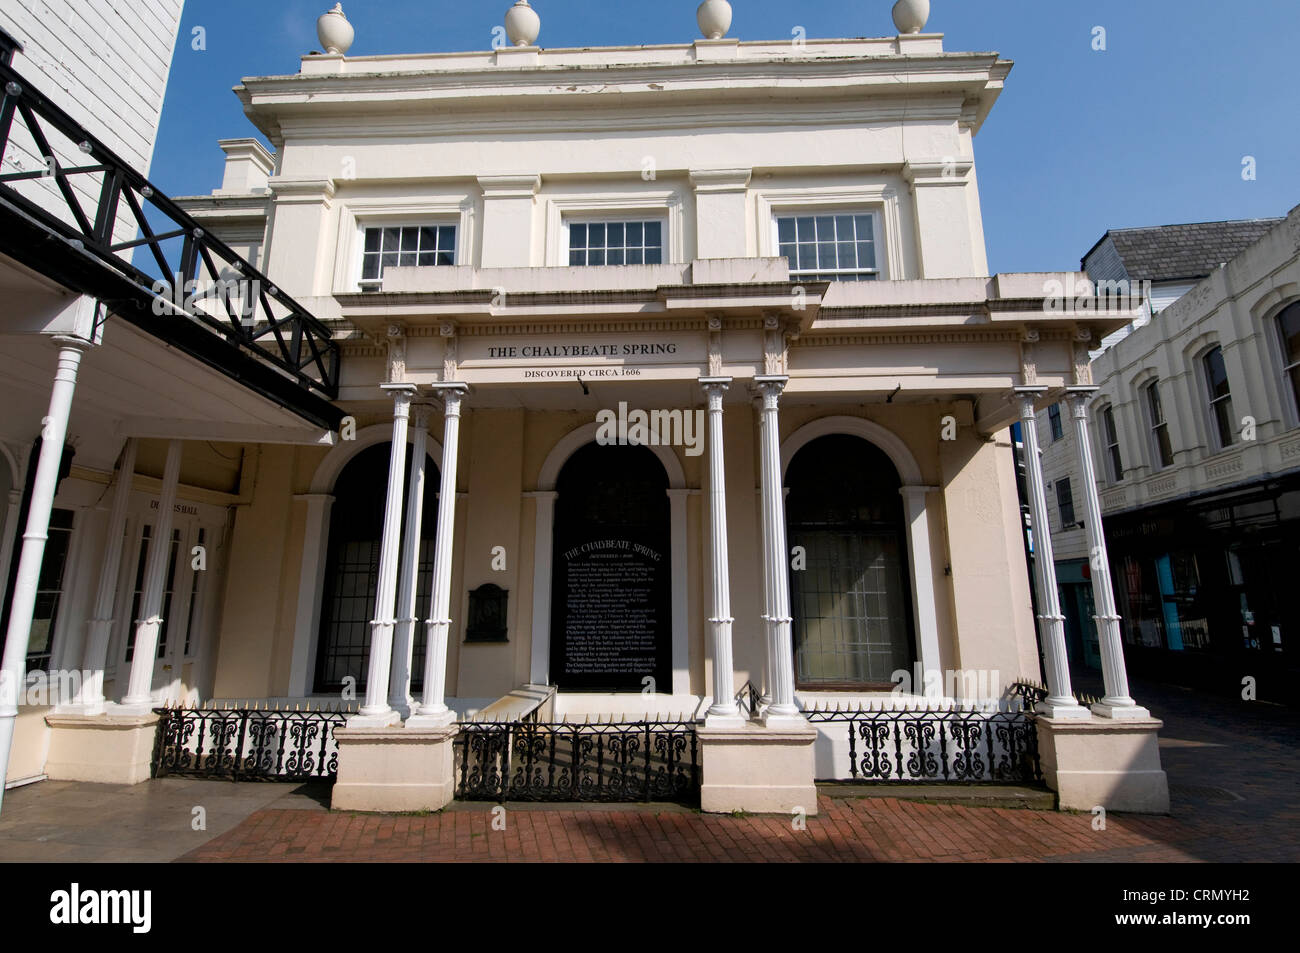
<point x="967" y="795"/>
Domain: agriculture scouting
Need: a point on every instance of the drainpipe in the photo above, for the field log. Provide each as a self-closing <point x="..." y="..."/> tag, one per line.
<point x="23" y="604"/>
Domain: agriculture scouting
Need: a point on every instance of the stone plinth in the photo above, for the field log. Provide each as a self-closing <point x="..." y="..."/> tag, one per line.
<point x="757" y="769"/>
<point x="105" y="749"/>
<point x="1104" y="762"/>
<point x="394" y="769"/>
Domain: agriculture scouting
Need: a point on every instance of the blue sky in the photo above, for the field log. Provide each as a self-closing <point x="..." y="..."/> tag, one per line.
<point x="1151" y="131"/>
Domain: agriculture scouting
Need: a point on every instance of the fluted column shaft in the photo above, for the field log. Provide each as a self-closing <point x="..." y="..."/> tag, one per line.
<point x="434" y="710"/>
<point x="724" y="686"/>
<point x="778" y="578"/>
<point x="376" y="711"/>
<point x="399" y="683"/>
<point x="1117" y="703"/>
<point x="1060" y="702"/>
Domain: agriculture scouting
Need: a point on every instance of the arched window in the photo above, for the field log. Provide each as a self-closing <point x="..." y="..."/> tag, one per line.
<point x="352" y="568"/>
<point x="1288" y="332"/>
<point x="851" y="601"/>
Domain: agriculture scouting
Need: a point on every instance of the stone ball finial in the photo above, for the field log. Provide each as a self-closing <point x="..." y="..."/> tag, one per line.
<point x="910" y="15"/>
<point x="714" y="17"/>
<point x="523" y="24"/>
<point x="334" y="31"/>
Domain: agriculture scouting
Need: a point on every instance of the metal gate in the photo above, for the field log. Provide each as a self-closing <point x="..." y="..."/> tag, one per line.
<point x="563" y="761"/>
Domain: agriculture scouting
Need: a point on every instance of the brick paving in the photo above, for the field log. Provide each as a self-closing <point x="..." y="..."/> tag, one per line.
<point x="1233" y="769"/>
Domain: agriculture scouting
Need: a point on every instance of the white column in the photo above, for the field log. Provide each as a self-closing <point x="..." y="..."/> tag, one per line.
<point x="147" y="628"/>
<point x="23" y="602"/>
<point x="100" y="627"/>
<point x="1117" y="703"/>
<point x="376" y="713"/>
<point x="434" y="710"/>
<point x="723" y="712"/>
<point x="1060" y="702"/>
<point x="399" y="684"/>
<point x="769" y="666"/>
<point x="923" y="612"/>
<point x="539" y="671"/>
<point x="782" y="711"/>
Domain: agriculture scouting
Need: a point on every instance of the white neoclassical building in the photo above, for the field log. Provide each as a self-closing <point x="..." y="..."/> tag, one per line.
<point x="672" y="390"/>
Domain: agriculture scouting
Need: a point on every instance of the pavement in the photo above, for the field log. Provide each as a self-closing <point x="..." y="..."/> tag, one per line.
<point x="1233" y="771"/>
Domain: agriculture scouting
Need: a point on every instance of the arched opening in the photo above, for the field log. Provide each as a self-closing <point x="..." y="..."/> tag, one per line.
<point x="850" y="598"/>
<point x="352" y="568"/>
<point x="611" y="584"/>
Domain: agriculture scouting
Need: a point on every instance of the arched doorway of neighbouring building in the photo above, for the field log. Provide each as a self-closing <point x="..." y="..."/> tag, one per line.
<point x="356" y="529"/>
<point x="611" y="581"/>
<point x="850" y="598"/>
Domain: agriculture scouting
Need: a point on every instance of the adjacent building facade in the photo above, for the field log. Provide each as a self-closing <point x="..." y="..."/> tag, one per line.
<point x="1199" y="440"/>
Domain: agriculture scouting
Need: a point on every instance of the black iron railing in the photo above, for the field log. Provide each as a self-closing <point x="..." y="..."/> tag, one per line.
<point x="80" y="191"/>
<point x="623" y="761"/>
<point x="938" y="745"/>
<point x="246" y="744"/>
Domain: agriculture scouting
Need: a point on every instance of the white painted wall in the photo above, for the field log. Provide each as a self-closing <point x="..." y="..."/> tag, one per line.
<point x="104" y="62"/>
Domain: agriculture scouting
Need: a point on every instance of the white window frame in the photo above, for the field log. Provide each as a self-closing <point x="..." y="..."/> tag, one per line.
<point x="616" y="218"/>
<point x="1153" y="425"/>
<point x="1290" y="398"/>
<point x="664" y="206"/>
<point x="806" y="274"/>
<point x="1109" y="440"/>
<point x="377" y="283"/>
<point x="880" y="200"/>
<point x="1207" y="400"/>
<point x="356" y="218"/>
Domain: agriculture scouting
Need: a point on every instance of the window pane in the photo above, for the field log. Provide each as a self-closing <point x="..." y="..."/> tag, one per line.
<point x="370" y="266"/>
<point x="807" y="256"/>
<point x="826" y="228"/>
<point x="596" y="236"/>
<point x="614" y="235"/>
<point x="806" y="229"/>
<point x="866" y="230"/>
<point x="785" y="230"/>
<point x="635" y="233"/>
<point x="447" y="238"/>
<point x="635" y="256"/>
<point x="392" y="239"/>
<point x="1289" y="323"/>
<point x="1216" y="373"/>
<point x="654" y="256"/>
<point x="446" y="258"/>
<point x="577" y="236"/>
<point x="428" y="259"/>
<point x="408" y="259"/>
<point x="614" y="256"/>
<point x="848" y="255"/>
<point x="410" y="239"/>
<point x="428" y="239"/>
<point x="373" y="238"/>
<point x="390" y="259"/>
<point x="826" y="256"/>
<point x="577" y="256"/>
<point x="654" y="235"/>
<point x="866" y="254"/>
<point x="596" y="256"/>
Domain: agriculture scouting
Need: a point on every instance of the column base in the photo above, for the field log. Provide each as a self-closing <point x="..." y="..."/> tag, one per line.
<point x="115" y="748"/>
<point x="387" y="719"/>
<point x="783" y="721"/>
<point x="1128" y="712"/>
<point x="423" y="722"/>
<point x="1103" y="762"/>
<point x="757" y="769"/>
<point x="394" y="770"/>
<point x="726" y="720"/>
<point x="1062" y="711"/>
